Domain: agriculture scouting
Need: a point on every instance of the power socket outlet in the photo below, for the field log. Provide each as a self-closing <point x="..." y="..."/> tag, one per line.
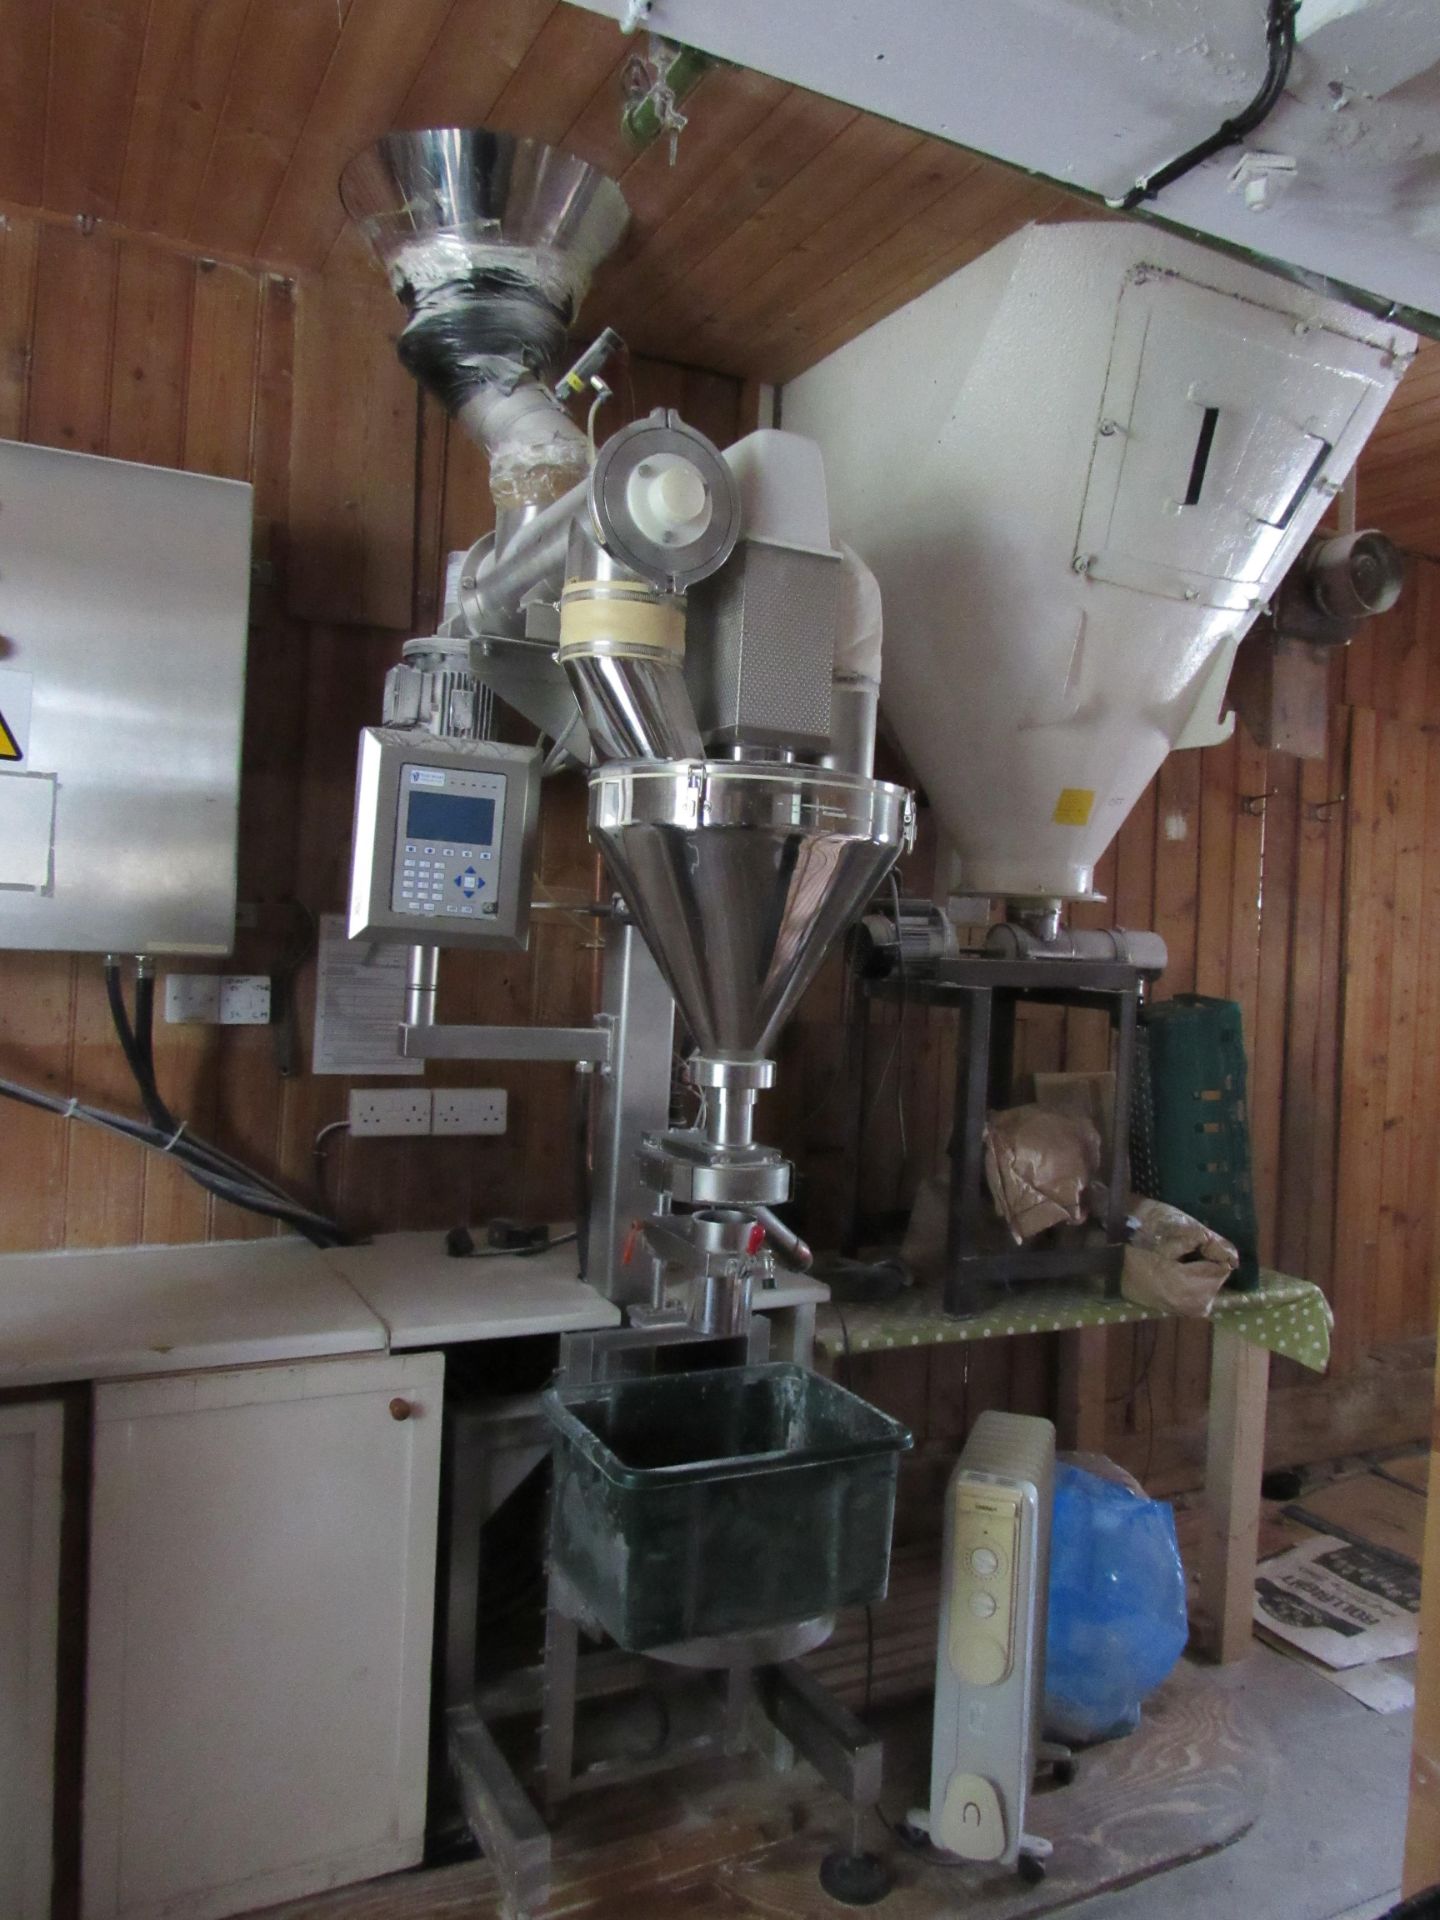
<point x="245" y="1000"/>
<point x="217" y="999"/>
<point x="390" y="1110"/>
<point x="471" y="1110"/>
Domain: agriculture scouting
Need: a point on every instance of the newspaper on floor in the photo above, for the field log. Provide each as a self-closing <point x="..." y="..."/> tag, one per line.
<point x="1342" y="1602"/>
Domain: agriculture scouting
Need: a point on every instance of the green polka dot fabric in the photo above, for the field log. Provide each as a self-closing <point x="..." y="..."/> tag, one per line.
<point x="1289" y="1316"/>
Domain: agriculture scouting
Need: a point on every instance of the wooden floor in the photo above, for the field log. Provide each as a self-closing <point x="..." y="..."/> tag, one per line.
<point x="746" y="1841"/>
<point x="740" y="1840"/>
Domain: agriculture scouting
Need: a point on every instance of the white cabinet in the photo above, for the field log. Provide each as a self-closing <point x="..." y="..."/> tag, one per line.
<point x="30" y="1449"/>
<point x="262" y="1574"/>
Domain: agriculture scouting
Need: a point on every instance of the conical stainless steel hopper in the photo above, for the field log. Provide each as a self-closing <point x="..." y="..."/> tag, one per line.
<point x="741" y="877"/>
<point x="440" y="201"/>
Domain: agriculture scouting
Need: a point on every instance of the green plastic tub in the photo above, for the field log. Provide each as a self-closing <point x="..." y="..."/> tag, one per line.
<point x="692" y="1504"/>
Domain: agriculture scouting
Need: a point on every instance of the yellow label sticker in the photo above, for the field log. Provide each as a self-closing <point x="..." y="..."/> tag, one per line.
<point x="10" y="748"/>
<point x="1074" y="806"/>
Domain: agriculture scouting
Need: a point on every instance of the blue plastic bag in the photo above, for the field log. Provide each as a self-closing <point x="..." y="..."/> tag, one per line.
<point x="1117" y="1621"/>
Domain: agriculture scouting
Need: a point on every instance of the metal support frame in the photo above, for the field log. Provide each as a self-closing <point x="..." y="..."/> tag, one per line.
<point x="843" y="1751"/>
<point x="505" y="1043"/>
<point x="987" y="990"/>
<point x="492" y="1445"/>
<point x="632" y="1099"/>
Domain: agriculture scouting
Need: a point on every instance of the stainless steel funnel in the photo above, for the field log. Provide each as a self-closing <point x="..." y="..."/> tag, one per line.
<point x="490" y="242"/>
<point x="741" y="877"/>
<point x="428" y="198"/>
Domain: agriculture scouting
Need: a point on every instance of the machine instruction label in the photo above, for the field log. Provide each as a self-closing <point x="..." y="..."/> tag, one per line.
<point x="359" y="1004"/>
<point x="1074" y="807"/>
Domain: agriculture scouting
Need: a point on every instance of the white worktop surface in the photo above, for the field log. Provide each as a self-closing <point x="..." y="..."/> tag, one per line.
<point x="111" y="1312"/>
<point x="428" y="1299"/>
<point x="107" y="1312"/>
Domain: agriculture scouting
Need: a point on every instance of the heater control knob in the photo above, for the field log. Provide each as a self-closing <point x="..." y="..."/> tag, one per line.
<point x="986" y="1562"/>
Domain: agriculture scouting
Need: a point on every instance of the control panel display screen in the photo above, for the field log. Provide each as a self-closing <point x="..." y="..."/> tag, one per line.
<point x="452" y="817"/>
<point x="449" y="842"/>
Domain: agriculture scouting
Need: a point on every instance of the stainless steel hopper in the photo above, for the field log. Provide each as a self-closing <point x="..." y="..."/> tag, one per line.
<point x="741" y="876"/>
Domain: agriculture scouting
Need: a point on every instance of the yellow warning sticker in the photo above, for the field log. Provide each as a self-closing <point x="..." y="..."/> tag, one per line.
<point x="10" y="748"/>
<point x="1074" y="807"/>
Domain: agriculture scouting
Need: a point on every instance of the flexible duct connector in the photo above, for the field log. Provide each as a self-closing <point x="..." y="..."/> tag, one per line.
<point x="537" y="453"/>
<point x="486" y="320"/>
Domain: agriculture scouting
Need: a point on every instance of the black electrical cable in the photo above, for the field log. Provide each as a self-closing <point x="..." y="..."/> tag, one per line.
<point x="137" y="1042"/>
<point x="1280" y="49"/>
<point x="216" y="1171"/>
<point x="323" y="1232"/>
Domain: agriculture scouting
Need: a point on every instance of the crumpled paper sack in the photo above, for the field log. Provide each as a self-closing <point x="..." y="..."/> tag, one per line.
<point x="1038" y="1165"/>
<point x="1173" y="1262"/>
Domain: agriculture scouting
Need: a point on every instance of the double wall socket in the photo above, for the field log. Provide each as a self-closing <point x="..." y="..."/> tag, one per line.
<point x="217" y="999"/>
<point x="470" y="1110"/>
<point x="416" y="1110"/>
<point x="389" y="1110"/>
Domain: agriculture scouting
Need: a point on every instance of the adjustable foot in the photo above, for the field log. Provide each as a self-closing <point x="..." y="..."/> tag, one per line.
<point x="856" y="1879"/>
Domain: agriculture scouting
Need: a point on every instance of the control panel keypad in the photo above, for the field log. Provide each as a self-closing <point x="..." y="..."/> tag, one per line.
<point x="448" y="837"/>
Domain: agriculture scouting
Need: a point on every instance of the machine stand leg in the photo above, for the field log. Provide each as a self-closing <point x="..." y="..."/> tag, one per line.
<point x="557" y="1731"/>
<point x="848" y="1757"/>
<point x="511" y="1832"/>
<point x="855" y="1878"/>
<point x="1235" y="1460"/>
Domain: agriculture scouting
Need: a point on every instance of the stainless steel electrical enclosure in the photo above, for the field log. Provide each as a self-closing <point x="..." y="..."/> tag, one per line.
<point x="444" y="839"/>
<point x="124" y="593"/>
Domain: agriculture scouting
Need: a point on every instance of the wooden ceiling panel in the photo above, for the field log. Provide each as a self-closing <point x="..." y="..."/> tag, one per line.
<point x="24" y="78"/>
<point x="380" y="51"/>
<point x="474" y="56"/>
<point x="788" y="223"/>
<point x="655" y="187"/>
<point x="759" y="166"/>
<point x="95" y="53"/>
<point x="284" y="53"/>
<point x="185" y="66"/>
<point x="575" y="56"/>
<point x="1398" y="487"/>
<point x="223" y="125"/>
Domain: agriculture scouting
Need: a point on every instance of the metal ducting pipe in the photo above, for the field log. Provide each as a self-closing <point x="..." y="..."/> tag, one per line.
<point x="1133" y="947"/>
<point x="622" y="645"/>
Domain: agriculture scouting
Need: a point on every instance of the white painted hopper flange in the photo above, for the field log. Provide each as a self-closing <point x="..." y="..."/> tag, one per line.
<point x="1079" y="467"/>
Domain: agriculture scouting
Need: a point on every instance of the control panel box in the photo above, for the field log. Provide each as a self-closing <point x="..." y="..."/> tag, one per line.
<point x="124" y="593"/>
<point x="444" y="839"/>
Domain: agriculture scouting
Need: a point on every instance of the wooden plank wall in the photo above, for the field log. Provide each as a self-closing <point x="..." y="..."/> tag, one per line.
<point x="1309" y="893"/>
<point x="113" y="345"/>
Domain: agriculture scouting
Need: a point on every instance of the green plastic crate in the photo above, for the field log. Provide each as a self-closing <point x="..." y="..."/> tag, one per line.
<point x="692" y="1504"/>
<point x="1190" y="1133"/>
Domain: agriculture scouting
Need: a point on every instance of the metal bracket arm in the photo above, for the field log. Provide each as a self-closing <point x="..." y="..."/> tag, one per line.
<point x="506" y="1043"/>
